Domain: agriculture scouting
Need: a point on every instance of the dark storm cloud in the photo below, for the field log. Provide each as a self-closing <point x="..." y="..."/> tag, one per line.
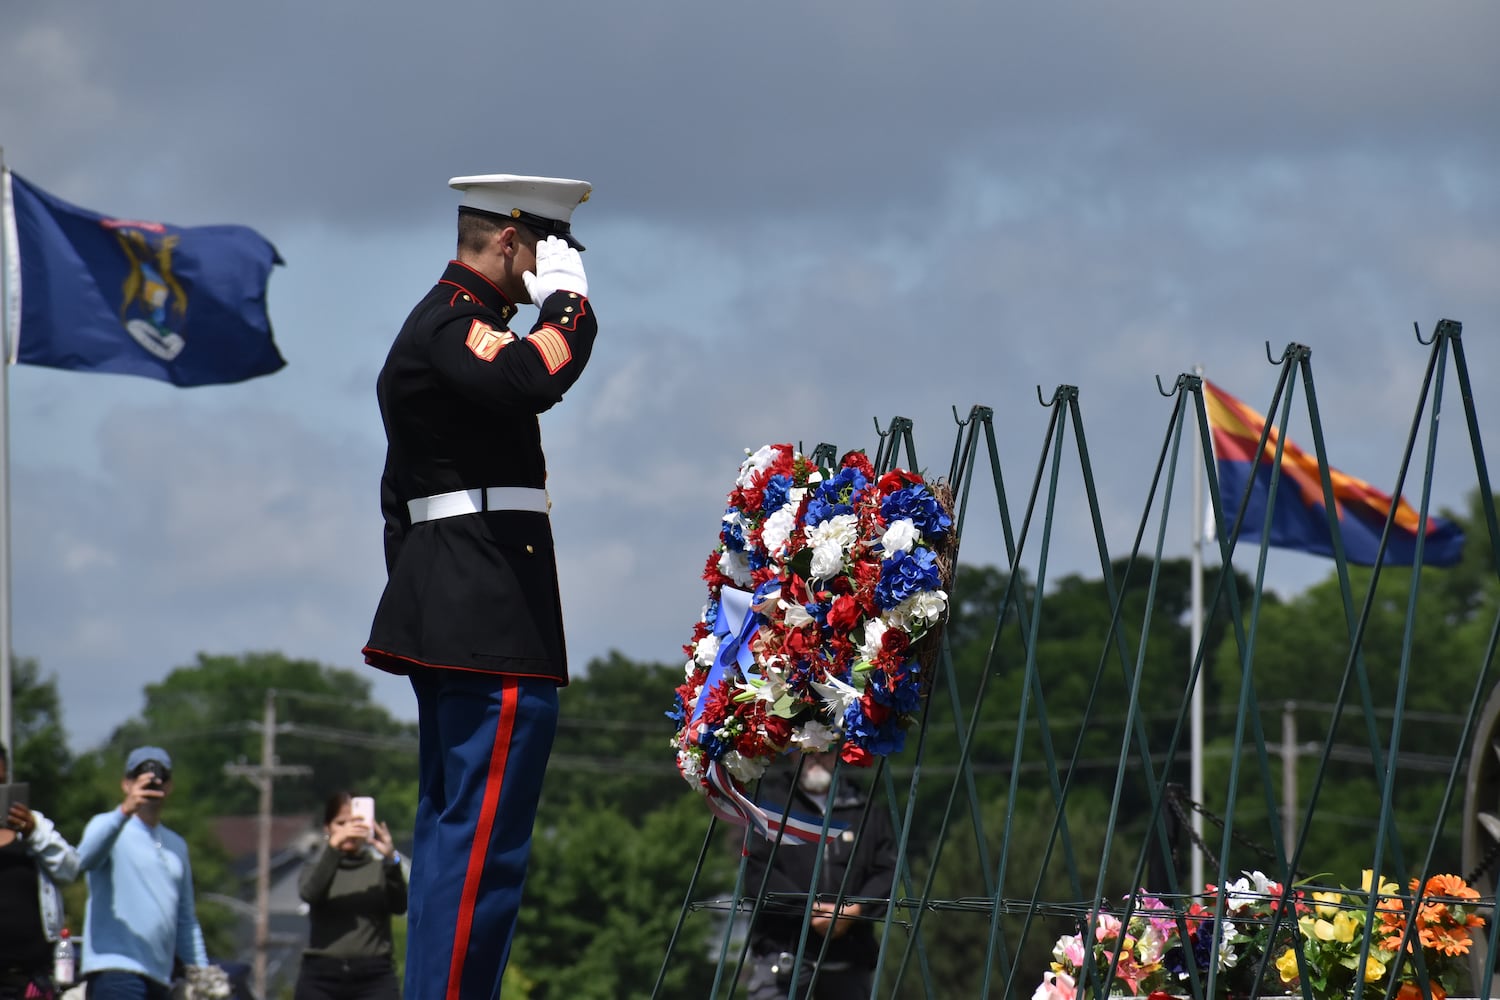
<point x="355" y="113"/>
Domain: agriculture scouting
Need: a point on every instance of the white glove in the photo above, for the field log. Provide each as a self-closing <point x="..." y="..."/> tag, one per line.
<point x="559" y="268"/>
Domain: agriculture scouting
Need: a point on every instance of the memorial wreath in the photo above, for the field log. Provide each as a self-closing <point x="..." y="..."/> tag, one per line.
<point x="826" y="596"/>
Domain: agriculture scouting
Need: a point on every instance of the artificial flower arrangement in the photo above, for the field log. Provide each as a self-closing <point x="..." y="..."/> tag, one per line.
<point x="1151" y="946"/>
<point x="821" y="591"/>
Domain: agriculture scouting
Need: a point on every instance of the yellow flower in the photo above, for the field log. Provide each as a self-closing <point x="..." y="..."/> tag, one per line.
<point x="1327" y="903"/>
<point x="1344" y="927"/>
<point x="1374" y="969"/>
<point x="1385" y="888"/>
<point x="1305" y="925"/>
<point x="1287" y="965"/>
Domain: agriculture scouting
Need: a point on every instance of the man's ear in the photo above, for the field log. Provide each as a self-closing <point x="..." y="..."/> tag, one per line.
<point x="506" y="241"/>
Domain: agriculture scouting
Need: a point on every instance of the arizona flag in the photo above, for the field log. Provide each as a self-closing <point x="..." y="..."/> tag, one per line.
<point x="186" y="305"/>
<point x="1300" y="520"/>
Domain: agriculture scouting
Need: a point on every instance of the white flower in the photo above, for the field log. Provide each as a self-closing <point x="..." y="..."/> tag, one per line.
<point x="744" y="769"/>
<point x="870" y="647"/>
<point x="736" y="566"/>
<point x="795" y="615"/>
<point x="918" y="612"/>
<point x="899" y="536"/>
<point x="706" y="650"/>
<point x="689" y="670"/>
<point x="768" y="689"/>
<point x="813" y="735"/>
<point x="761" y="458"/>
<point x="837" y="695"/>
<point x="778" y="528"/>
<point x="827" y="560"/>
<point x="841" y="530"/>
<point x="690" y="764"/>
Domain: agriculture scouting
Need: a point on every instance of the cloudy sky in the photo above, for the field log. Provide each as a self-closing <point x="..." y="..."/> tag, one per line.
<point x="807" y="216"/>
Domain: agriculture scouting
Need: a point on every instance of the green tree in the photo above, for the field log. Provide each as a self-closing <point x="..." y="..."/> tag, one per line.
<point x="603" y="896"/>
<point x="40" y="755"/>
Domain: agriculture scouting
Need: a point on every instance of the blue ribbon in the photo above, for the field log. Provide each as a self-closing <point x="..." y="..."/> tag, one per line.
<point x="734" y="650"/>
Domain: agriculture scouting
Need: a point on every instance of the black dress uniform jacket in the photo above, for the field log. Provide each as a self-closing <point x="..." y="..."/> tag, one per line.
<point x="868" y="859"/>
<point x="459" y="395"/>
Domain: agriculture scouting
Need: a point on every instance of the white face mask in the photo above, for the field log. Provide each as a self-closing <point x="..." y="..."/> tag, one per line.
<point x="815" y="778"/>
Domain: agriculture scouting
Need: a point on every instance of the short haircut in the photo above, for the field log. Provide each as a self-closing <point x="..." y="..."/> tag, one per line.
<point x="475" y="229"/>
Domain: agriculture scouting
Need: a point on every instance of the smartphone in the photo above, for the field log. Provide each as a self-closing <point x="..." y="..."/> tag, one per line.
<point x="18" y="792"/>
<point x="362" y="808"/>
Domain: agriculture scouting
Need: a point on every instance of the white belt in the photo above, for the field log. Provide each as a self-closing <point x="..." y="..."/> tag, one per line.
<point x="473" y="501"/>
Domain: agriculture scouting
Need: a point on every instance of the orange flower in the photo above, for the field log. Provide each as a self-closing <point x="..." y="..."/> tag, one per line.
<point x="1411" y="991"/>
<point x="1448" y="940"/>
<point x="1449" y="887"/>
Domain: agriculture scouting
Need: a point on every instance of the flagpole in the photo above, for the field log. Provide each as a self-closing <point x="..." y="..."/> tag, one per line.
<point x="1195" y="782"/>
<point x="5" y="359"/>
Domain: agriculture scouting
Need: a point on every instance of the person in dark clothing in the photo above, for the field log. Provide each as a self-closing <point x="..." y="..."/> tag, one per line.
<point x="33" y="859"/>
<point x="867" y="855"/>
<point x="353" y="888"/>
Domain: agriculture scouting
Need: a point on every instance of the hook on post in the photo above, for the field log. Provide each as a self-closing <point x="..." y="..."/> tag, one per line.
<point x="880" y="433"/>
<point x="1045" y="404"/>
<point x="1274" y="361"/>
<point x="1173" y="391"/>
<point x="961" y="423"/>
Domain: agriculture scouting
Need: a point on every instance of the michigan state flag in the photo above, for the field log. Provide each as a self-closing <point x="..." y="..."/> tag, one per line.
<point x="185" y="304"/>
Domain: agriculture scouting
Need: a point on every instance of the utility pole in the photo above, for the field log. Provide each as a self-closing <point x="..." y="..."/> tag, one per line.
<point x="1288" y="775"/>
<point x="262" y="777"/>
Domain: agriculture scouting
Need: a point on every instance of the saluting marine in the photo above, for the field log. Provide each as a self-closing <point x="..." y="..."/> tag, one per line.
<point x="471" y="610"/>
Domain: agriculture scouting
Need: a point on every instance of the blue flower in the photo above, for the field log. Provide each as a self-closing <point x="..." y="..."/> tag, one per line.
<point x="732" y="533"/>
<point x="904" y="696"/>
<point x="905" y="574"/>
<point x="777" y="492"/>
<point x="834" y="496"/>
<point x="918" y="504"/>
<point x="883" y="740"/>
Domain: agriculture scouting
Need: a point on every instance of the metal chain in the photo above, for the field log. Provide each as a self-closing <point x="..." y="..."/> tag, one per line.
<point x="1178" y="797"/>
<point x="1485" y="863"/>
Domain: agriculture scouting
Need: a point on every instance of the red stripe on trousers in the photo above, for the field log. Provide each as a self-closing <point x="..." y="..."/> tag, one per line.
<point x="499" y="754"/>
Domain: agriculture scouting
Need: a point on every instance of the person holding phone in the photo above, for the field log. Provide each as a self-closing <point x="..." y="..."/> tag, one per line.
<point x="471" y="610"/>
<point x="352" y="888"/>
<point x="140" y="914"/>
<point x="34" y="858"/>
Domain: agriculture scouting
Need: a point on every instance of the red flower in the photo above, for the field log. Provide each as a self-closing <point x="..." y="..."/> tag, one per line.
<point x="853" y="753"/>
<point x="894" y="642"/>
<point x="843" y="615"/>
<point x="897" y="479"/>
<point x="778" y="730"/>
<point x="858" y="460"/>
<point x="712" y="576"/>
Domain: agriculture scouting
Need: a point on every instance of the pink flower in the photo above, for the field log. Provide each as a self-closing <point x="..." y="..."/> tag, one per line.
<point x="1109" y="927"/>
<point x="1055" y="986"/>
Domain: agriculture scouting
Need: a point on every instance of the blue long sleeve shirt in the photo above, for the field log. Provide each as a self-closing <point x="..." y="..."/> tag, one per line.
<point x="140" y="910"/>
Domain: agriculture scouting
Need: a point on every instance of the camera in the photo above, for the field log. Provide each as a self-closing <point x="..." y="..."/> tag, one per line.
<point x="160" y="774"/>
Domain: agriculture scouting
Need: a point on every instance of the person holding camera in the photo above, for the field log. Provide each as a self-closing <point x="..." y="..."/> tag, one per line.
<point x="34" y="857"/>
<point x="140" y="912"/>
<point x="353" y="889"/>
